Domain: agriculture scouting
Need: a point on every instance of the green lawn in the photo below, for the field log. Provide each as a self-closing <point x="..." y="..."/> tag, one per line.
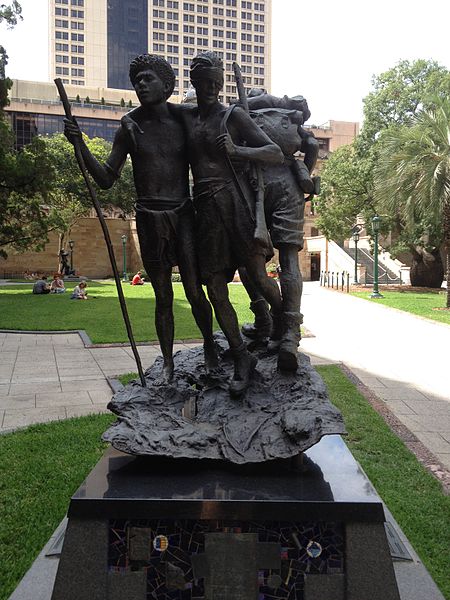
<point x="35" y="486"/>
<point x="423" y="304"/>
<point x="100" y="316"/>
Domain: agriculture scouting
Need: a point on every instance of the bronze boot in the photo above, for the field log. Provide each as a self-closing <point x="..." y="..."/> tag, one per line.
<point x="244" y="365"/>
<point x="262" y="326"/>
<point x="287" y="351"/>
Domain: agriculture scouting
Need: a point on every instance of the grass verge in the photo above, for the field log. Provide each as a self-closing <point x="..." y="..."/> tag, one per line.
<point x="100" y="316"/>
<point x="412" y="494"/>
<point x="42" y="466"/>
<point x="424" y="304"/>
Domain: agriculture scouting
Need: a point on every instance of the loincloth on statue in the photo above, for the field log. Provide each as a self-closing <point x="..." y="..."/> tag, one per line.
<point x="157" y="223"/>
<point x="284" y="206"/>
<point x="224" y="228"/>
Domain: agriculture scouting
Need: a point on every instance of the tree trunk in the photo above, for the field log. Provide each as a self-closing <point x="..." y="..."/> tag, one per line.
<point x="427" y="269"/>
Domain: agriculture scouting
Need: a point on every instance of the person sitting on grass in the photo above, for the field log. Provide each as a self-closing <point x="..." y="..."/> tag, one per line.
<point x="57" y="285"/>
<point x="79" y="291"/>
<point x="41" y="286"/>
<point x="137" y="279"/>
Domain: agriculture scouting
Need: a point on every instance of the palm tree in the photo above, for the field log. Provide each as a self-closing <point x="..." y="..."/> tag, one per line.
<point x="413" y="173"/>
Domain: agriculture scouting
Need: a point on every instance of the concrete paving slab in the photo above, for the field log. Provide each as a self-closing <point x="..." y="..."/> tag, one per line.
<point x="444" y="458"/>
<point x="18" y="402"/>
<point x="427" y="407"/>
<point x="4" y="389"/>
<point x="73" y="377"/>
<point x="434" y="441"/>
<point x="88" y="384"/>
<point x="100" y="396"/>
<point x="428" y="423"/>
<point x="400" y="393"/>
<point x="62" y="398"/>
<point x="33" y="388"/>
<point x="23" y="418"/>
<point x="398" y="407"/>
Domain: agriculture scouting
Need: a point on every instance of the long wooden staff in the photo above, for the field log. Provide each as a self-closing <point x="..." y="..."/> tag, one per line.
<point x="261" y="234"/>
<point x="109" y="246"/>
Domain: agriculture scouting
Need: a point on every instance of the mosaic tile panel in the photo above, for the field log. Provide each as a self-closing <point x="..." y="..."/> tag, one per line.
<point x="194" y="560"/>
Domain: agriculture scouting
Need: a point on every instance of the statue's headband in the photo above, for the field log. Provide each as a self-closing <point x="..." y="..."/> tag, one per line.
<point x="201" y="71"/>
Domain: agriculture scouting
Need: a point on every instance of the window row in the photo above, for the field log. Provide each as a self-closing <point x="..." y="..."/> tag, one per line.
<point x="73" y="2"/>
<point x="63" y="24"/>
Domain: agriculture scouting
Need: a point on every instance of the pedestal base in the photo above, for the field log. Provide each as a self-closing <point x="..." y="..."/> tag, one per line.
<point x="152" y="528"/>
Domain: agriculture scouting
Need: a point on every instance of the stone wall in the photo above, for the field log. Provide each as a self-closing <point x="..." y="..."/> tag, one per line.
<point x="90" y="256"/>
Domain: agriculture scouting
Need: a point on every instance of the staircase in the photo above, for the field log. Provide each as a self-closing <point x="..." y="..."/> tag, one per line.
<point x="385" y="275"/>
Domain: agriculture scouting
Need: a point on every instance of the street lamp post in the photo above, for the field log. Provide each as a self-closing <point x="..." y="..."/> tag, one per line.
<point x="355" y="236"/>
<point x="71" y="245"/>
<point x="124" y="247"/>
<point x="376" y="228"/>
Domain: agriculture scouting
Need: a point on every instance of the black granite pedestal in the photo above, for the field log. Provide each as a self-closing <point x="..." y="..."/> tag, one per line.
<point x="154" y="529"/>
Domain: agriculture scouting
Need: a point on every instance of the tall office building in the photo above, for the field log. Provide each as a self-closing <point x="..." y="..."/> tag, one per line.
<point x="93" y="41"/>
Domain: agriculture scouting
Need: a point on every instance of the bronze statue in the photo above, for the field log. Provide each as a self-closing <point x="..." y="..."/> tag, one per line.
<point x="285" y="187"/>
<point x="154" y="138"/>
<point x="220" y="142"/>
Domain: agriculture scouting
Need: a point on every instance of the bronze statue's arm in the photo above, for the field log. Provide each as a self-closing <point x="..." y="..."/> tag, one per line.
<point x="259" y="146"/>
<point x="104" y="175"/>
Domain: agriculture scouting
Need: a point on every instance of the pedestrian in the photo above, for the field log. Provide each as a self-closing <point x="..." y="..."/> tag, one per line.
<point x="41" y="286"/>
<point x="79" y="291"/>
<point x="57" y="285"/>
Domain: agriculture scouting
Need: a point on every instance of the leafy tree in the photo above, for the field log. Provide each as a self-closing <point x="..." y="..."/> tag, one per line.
<point x="68" y="199"/>
<point x="413" y="173"/>
<point x="11" y="13"/>
<point x="398" y="94"/>
<point x="24" y="180"/>
<point x="348" y="190"/>
<point x="24" y="184"/>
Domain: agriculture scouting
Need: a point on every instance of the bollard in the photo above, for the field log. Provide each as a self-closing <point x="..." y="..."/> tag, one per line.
<point x="348" y="282"/>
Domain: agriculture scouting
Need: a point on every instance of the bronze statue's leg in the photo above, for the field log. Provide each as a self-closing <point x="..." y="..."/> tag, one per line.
<point x="160" y="278"/>
<point x="256" y="269"/>
<point x="244" y="362"/>
<point x="291" y="289"/>
<point x="262" y="326"/>
<point x="201" y="308"/>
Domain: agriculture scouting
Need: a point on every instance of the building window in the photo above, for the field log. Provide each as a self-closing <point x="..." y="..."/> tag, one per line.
<point x="231" y="24"/>
<point x="231" y="35"/>
<point x="62" y="35"/>
<point x="77" y="14"/>
<point x="77" y="49"/>
<point x="159" y="36"/>
<point x="75" y="25"/>
<point x="158" y="2"/>
<point x="62" y="70"/>
<point x="77" y="72"/>
<point x="172" y="27"/>
<point x="62" y="1"/>
<point x="158" y="47"/>
<point x="188" y="18"/>
<point x="159" y="14"/>
<point x="62" y="59"/>
<point x="202" y="9"/>
<point x="77" y="37"/>
<point x="203" y="20"/>
<point x="77" y="2"/>
<point x="158" y="25"/>
<point x="188" y="28"/>
<point x="77" y="60"/>
<point x="202" y="31"/>
<point x="187" y="6"/>
<point x="61" y="23"/>
<point x="61" y="47"/>
<point x="218" y="23"/>
<point x="61" y="12"/>
<point x="173" y="49"/>
<point x="218" y="11"/>
<point x="172" y="16"/>
<point x="188" y="40"/>
<point x="171" y="4"/>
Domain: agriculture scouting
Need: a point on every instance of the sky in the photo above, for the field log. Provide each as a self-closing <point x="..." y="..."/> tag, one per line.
<point x="326" y="50"/>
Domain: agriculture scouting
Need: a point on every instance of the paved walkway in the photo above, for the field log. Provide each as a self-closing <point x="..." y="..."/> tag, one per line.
<point x="401" y="358"/>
